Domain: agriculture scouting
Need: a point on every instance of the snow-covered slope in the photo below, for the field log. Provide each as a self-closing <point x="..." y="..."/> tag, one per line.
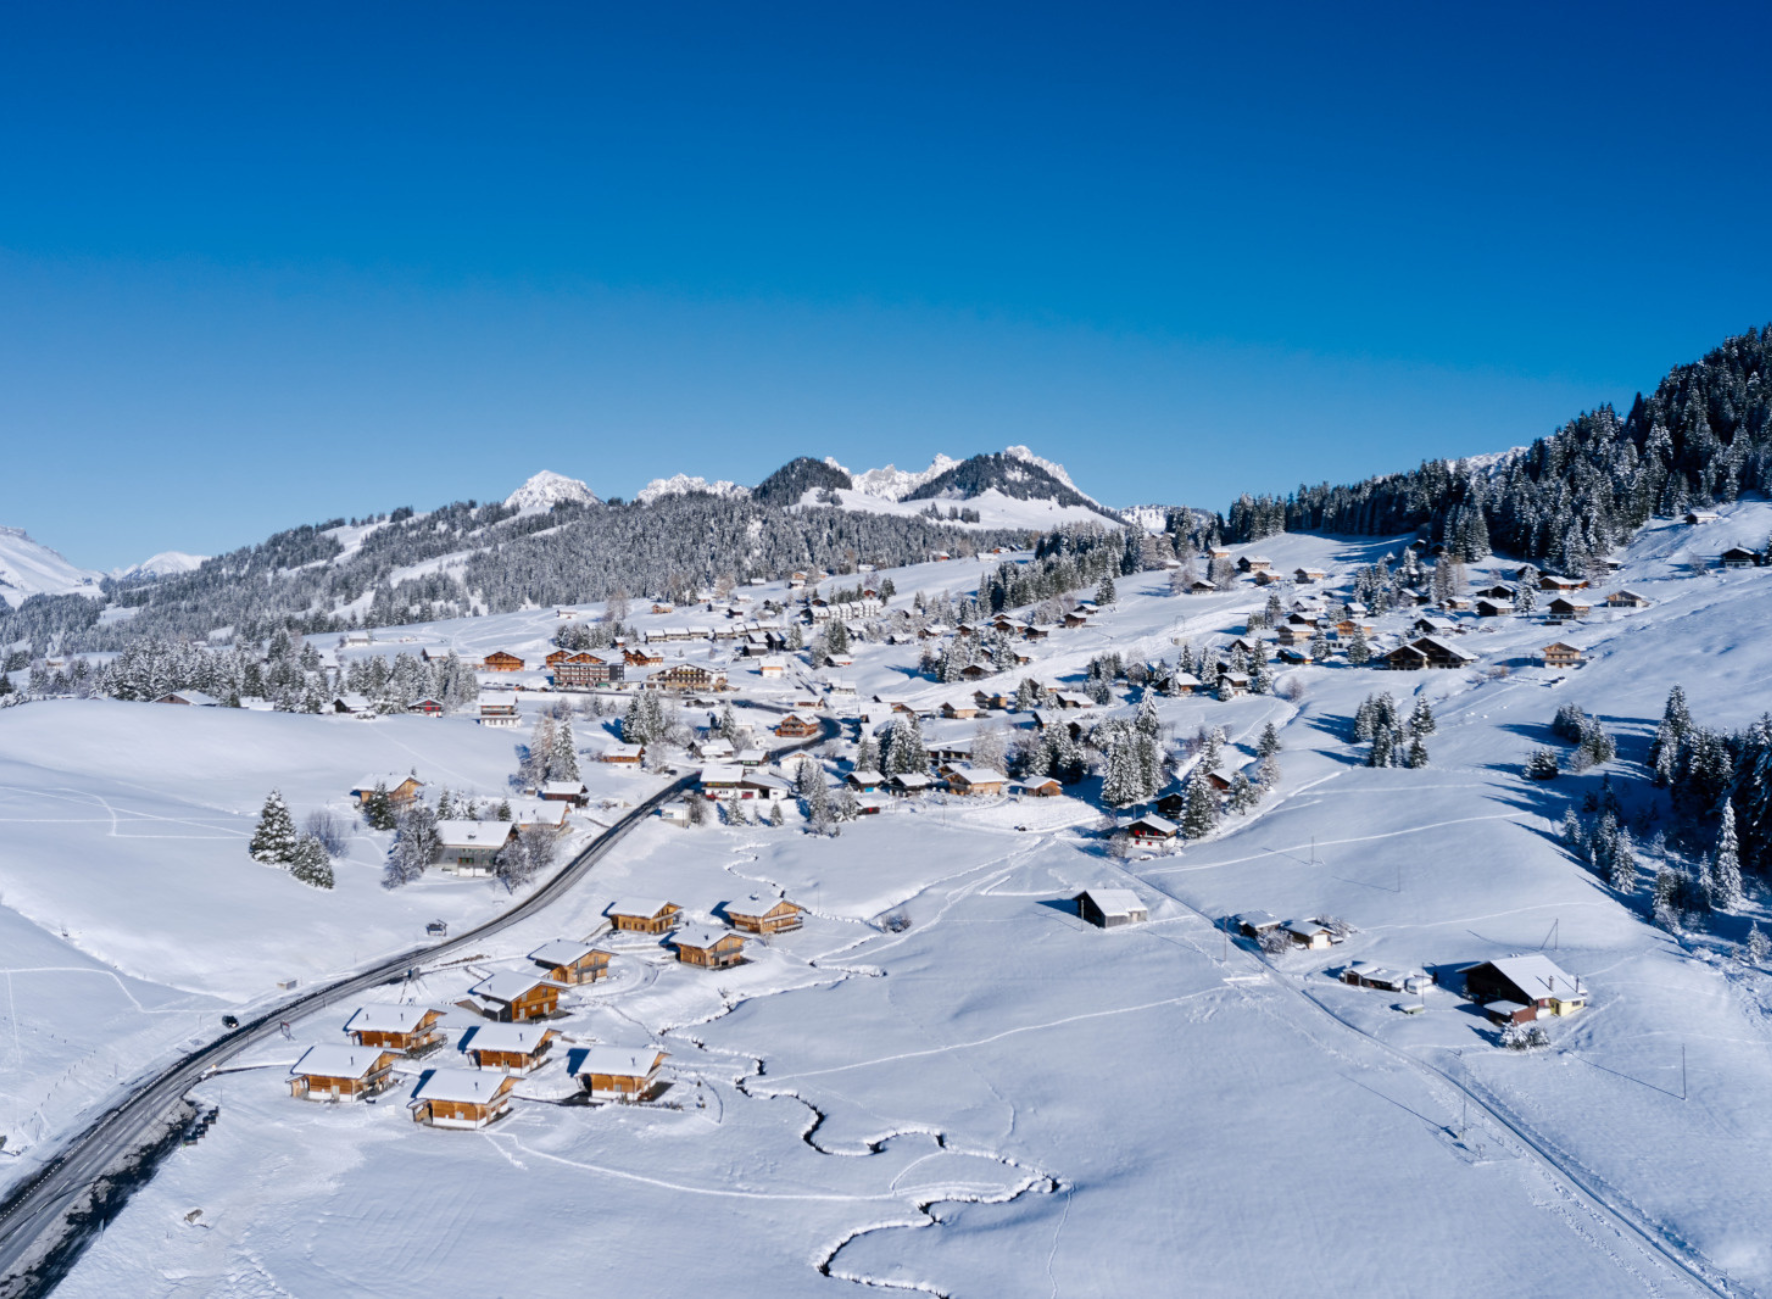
<point x="892" y="483"/>
<point x="165" y="564"/>
<point x="685" y="485"/>
<point x="29" y="568"/>
<point x="548" y="489"/>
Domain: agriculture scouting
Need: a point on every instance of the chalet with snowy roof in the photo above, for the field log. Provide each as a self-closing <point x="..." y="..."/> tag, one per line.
<point x="1627" y="600"/>
<point x="564" y="791"/>
<point x="1292" y="634"/>
<point x="1364" y="974"/>
<point x="1702" y="516"/>
<point x="1292" y="657"/>
<point x="964" y="778"/>
<point x="715" y="749"/>
<point x="1255" y="924"/>
<point x="406" y="1029"/>
<point x="756" y="915"/>
<point x="1737" y="557"/>
<point x="1524" y="986"/>
<point x="1487" y="608"/>
<point x="623" y="755"/>
<point x="471" y="848"/>
<point x="1457" y="604"/>
<point x="500" y="661"/>
<point x="1042" y="787"/>
<point x="772" y="665"/>
<point x="1232" y="684"/>
<point x="617" y="1073"/>
<point x="865" y="782"/>
<point x="911" y="782"/>
<point x="1151" y="826"/>
<point x="984" y="699"/>
<point x="502" y="716"/>
<point x="1255" y="564"/>
<point x="1266" y="578"/>
<point x="401" y="789"/>
<point x="1074" y="620"/>
<point x="557" y="656"/>
<point x="1434" y="627"/>
<point x="1427" y="652"/>
<point x="1306" y="576"/>
<point x="1563" y="609"/>
<point x="1111" y="908"/>
<point x="1184" y="683"/>
<point x="513" y="996"/>
<point x="959" y="710"/>
<point x="1556" y="582"/>
<point x="641" y="658"/>
<point x="1560" y="654"/>
<point x="1308" y="934"/>
<point x="351" y="704"/>
<point x="710" y="949"/>
<point x="565" y="960"/>
<point x="1200" y="586"/>
<point x="190" y="699"/>
<point x="461" y="1098"/>
<point x="341" y="1073"/>
<point x="643" y="915"/>
<point x="514" y="1049"/>
<point x="1072" y="699"/>
<point x="796" y="727"/>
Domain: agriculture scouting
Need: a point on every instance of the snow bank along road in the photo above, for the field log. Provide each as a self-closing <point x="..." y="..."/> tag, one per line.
<point x="41" y="1205"/>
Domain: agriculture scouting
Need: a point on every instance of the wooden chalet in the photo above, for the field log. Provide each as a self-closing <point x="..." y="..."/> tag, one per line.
<point x="1561" y="655"/>
<point x="711" y="949"/>
<point x="771" y="666"/>
<point x="1308" y="934"/>
<point x="566" y="961"/>
<point x="623" y="755"/>
<point x="684" y="678"/>
<point x="406" y="1029"/>
<point x="643" y="915"/>
<point x="964" y="778"/>
<point x="1498" y="591"/>
<point x="1627" y="600"/>
<point x="471" y="848"/>
<point x="992" y="699"/>
<point x="1111" y="908"/>
<point x="1042" y="787"/>
<point x="513" y="996"/>
<point x="1563" y="609"/>
<point x="617" y="1073"/>
<point x="1291" y="634"/>
<point x="1200" y="586"/>
<point x="461" y="1098"/>
<point x="1151" y="826"/>
<point x="401" y="789"/>
<point x="1525" y="986"/>
<point x="1737" y="557"/>
<point x="1487" y="608"/>
<point x="1255" y="564"/>
<point x="1702" y="516"/>
<point x="514" y="1049"/>
<point x="795" y="727"/>
<point x="558" y="656"/>
<point x="1555" y="582"/>
<point x="910" y="782"/>
<point x="341" y="1073"/>
<point x="1306" y="576"/>
<point x="1255" y="924"/>
<point x="564" y="791"/>
<point x="1185" y="683"/>
<point x="960" y="711"/>
<point x="1427" y="652"/>
<point x="757" y="915"/>
<point x="500" y="661"/>
<point x="865" y="782"/>
<point x="641" y="658"/>
<point x="426" y="708"/>
<point x="351" y="704"/>
<point x="190" y="699"/>
<point x="1074" y="620"/>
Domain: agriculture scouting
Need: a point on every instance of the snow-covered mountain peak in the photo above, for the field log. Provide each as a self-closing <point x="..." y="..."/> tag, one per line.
<point x="685" y="485"/>
<point x="546" y="490"/>
<point x="1050" y="466"/>
<point x="167" y="563"/>
<point x="28" y="568"/>
<point x="894" y="484"/>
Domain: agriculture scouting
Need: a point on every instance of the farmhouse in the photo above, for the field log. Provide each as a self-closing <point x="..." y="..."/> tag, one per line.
<point x="1563" y="609"/>
<point x="351" y="704"/>
<point x="1111" y="908"/>
<point x="795" y="727"/>
<point x="1552" y="582"/>
<point x="1627" y="600"/>
<point x="1488" y="608"/>
<point x="502" y="716"/>
<point x="1309" y="934"/>
<point x="566" y="961"/>
<point x="426" y="708"/>
<point x="499" y="661"/>
<point x="762" y="916"/>
<point x="341" y="1073"/>
<point x="617" y="1073"/>
<point x="623" y="755"/>
<point x="401" y="789"/>
<point x="527" y="813"/>
<point x="1427" y="652"/>
<point x="1533" y="983"/>
<point x="712" y="949"/>
<point x="1151" y="827"/>
<point x="516" y="995"/>
<point x="471" y="848"/>
<point x="910" y="782"/>
<point x="1042" y="787"/>
<point x="514" y="1049"/>
<point x="190" y="698"/>
<point x="643" y="915"/>
<point x="964" y="778"/>
<point x="1255" y="564"/>
<point x="1363" y="974"/>
<point x="960" y="710"/>
<point x="864" y="782"/>
<point x="565" y="791"/>
<point x="1254" y="924"/>
<point x="406" y="1029"/>
<point x="1737" y="557"/>
<point x="1561" y="655"/>
<point x="460" y="1098"/>
<point x="1702" y="516"/>
<point x="1305" y="576"/>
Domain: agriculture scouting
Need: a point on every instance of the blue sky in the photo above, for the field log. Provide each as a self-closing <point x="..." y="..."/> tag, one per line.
<point x="266" y="266"/>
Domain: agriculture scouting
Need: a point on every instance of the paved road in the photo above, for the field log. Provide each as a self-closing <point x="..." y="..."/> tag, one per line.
<point x="38" y="1207"/>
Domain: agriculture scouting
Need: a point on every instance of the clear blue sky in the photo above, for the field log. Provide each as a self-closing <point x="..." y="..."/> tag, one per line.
<point x="262" y="265"/>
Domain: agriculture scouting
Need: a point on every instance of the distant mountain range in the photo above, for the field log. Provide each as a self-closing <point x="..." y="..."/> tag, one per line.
<point x="29" y="568"/>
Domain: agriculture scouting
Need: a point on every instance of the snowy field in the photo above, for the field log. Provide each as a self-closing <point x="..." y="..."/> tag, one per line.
<point x="998" y="1100"/>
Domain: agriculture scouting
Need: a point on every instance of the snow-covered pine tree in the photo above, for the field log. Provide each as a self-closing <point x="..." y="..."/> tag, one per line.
<point x="1383" y="751"/>
<point x="445" y="805"/>
<point x="562" y="762"/>
<point x="1623" y="866"/>
<point x="378" y="808"/>
<point x="1120" y="785"/>
<point x="1148" y="721"/>
<point x="1359" y="652"/>
<point x="1758" y="947"/>
<point x="1244" y="794"/>
<point x="1365" y="719"/>
<point x="1267" y="772"/>
<point x="1269" y="743"/>
<point x="273" y="842"/>
<point x="1105" y="594"/>
<point x="1416" y="755"/>
<point x="1319" y="648"/>
<point x="867" y="754"/>
<point x="1725" y="894"/>
<point x="1199" y="814"/>
<point x="309" y="863"/>
<point x="1542" y="764"/>
<point x="1421" y="720"/>
<point x="504" y="810"/>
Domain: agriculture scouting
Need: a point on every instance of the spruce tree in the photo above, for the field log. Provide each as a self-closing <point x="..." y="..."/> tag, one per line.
<point x="1758" y="947"/>
<point x="1105" y="594"/>
<point x="1421" y="721"/>
<point x="1623" y="872"/>
<point x="1359" y="653"/>
<point x="273" y="842"/>
<point x="1383" y="752"/>
<point x="1726" y="872"/>
<point x="378" y="810"/>
<point x="1148" y="721"/>
<point x="1200" y="812"/>
<point x="309" y="863"/>
<point x="1120" y="786"/>
<point x="1244" y="794"/>
<point x="1269" y="744"/>
<point x="562" y="757"/>
<point x="1417" y="754"/>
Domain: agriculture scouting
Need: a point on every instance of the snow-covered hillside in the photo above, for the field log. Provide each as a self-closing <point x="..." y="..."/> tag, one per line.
<point x="547" y="489"/>
<point x="997" y="1099"/>
<point x="28" y="568"/>
<point x="684" y="485"/>
<point x="165" y="564"/>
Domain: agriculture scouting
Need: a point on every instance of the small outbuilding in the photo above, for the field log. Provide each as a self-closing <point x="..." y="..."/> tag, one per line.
<point x="1111" y="908"/>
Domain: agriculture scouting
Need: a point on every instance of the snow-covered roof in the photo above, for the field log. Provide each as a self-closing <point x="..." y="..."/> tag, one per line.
<point x="562" y="951"/>
<point x="1115" y="902"/>
<point x="1257" y="919"/>
<point x="869" y="777"/>
<point x="508" y="985"/>
<point x="722" y="773"/>
<point x="387" y="1019"/>
<point x="563" y="787"/>
<point x="196" y="698"/>
<point x="702" y="936"/>
<point x="913" y="780"/>
<point x="622" y="750"/>
<point x="1537" y="976"/>
<point x="649" y="908"/>
<point x="456" y="835"/>
<point x="527" y="1038"/>
<point x="971" y="775"/>
<point x="393" y="780"/>
<point x="337" y="1061"/>
<point x="461" y="1086"/>
<point x="538" y="811"/>
<point x="1155" y="822"/>
<point x="621" y="1061"/>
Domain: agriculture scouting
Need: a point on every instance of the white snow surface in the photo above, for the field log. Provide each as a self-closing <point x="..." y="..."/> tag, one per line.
<point x="167" y="563"/>
<point x="30" y="568"/>
<point x="684" y="485"/>
<point x="998" y="1100"/>
<point x="547" y="489"/>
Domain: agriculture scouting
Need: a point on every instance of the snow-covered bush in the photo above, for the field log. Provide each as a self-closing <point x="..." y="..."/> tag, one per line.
<point x="1524" y="1037"/>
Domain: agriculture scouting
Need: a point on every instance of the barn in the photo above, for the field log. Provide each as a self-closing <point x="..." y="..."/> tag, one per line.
<point x="1111" y="908"/>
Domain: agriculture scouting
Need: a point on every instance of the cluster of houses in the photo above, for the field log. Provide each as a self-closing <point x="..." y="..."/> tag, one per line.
<point x="470" y="848"/>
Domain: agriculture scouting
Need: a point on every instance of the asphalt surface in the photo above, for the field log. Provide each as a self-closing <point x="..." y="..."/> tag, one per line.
<point x="38" y="1208"/>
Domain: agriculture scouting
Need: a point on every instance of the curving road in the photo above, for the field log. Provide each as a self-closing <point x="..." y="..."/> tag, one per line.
<point x="38" y="1208"/>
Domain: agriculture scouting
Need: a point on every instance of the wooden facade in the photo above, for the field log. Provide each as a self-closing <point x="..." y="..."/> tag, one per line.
<point x="563" y="961"/>
<point x="341" y="1073"/>
<point x="461" y="1098"/>
<point x="1560" y="655"/>
<point x="515" y="1051"/>
<point x="611" y="1073"/>
<point x="763" y="917"/>
<point x="515" y="996"/>
<point x="407" y="1029"/>
<point x="583" y="671"/>
<point x="643" y="916"/>
<point x="795" y="727"/>
<point x="500" y="661"/>
<point x="709" y="949"/>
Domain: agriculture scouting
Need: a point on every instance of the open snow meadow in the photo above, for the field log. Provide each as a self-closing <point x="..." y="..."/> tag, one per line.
<point x="944" y="1080"/>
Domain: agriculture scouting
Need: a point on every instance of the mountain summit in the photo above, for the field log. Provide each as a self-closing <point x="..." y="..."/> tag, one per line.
<point x="546" y="490"/>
